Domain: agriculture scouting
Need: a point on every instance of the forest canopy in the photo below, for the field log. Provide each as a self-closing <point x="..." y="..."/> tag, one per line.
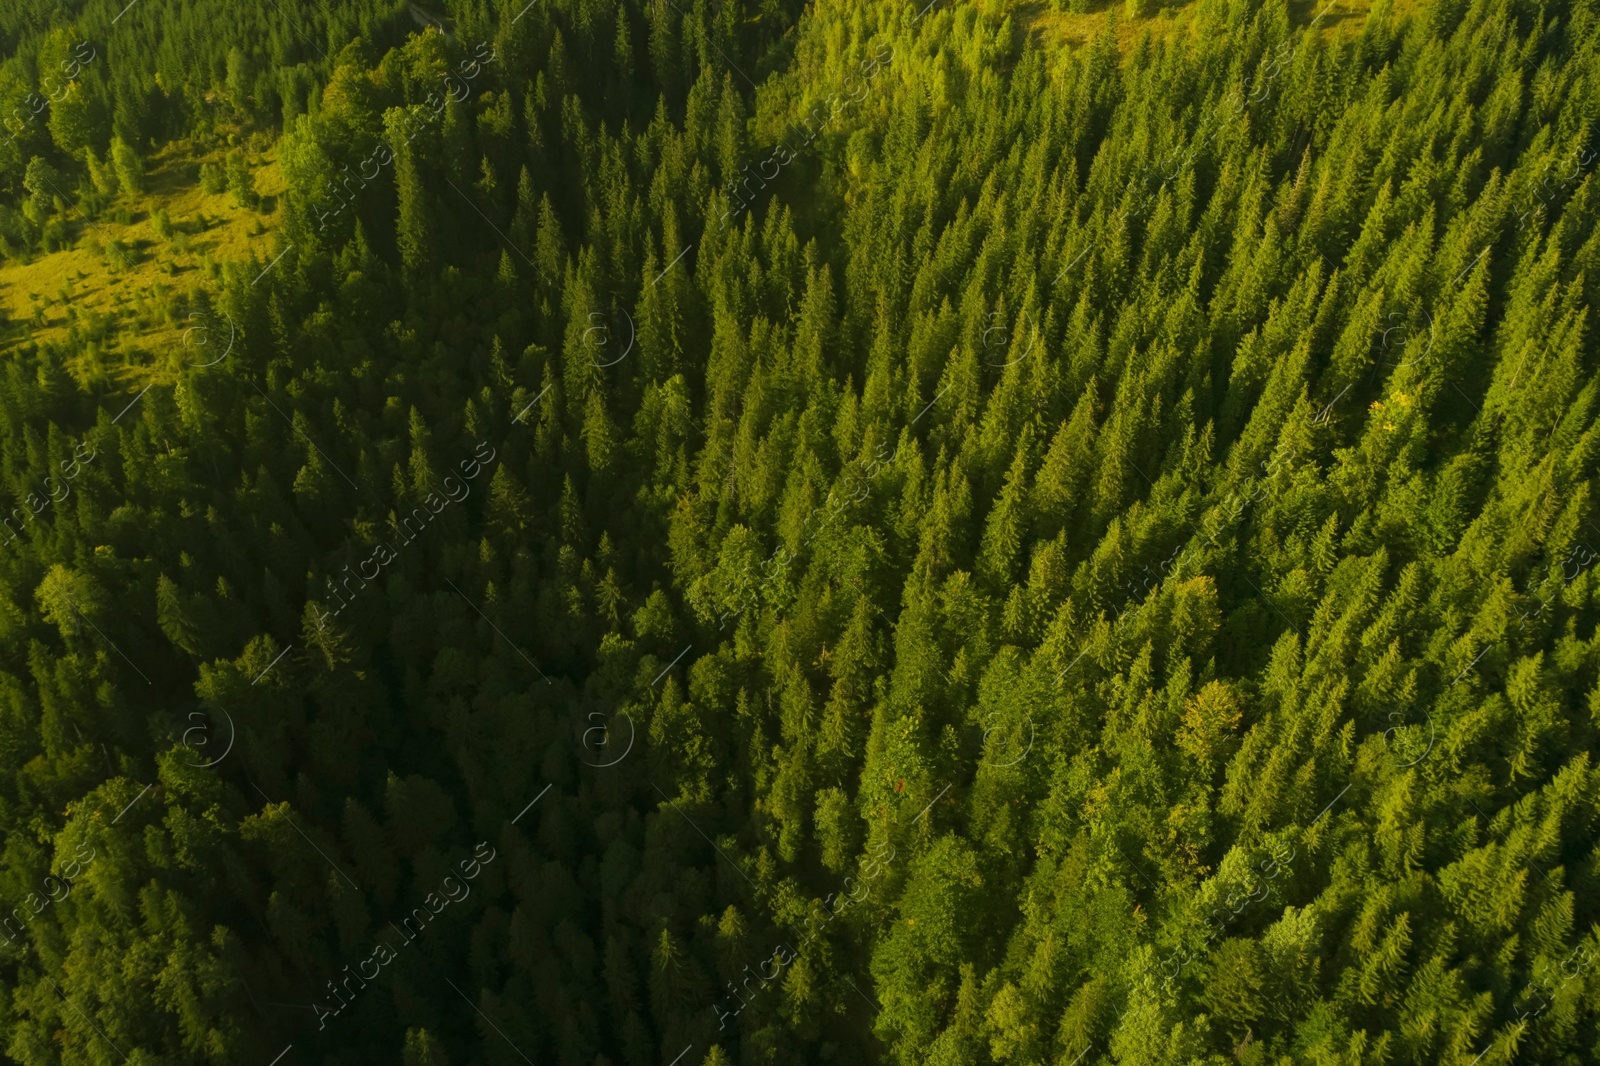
<point x="465" y="466"/>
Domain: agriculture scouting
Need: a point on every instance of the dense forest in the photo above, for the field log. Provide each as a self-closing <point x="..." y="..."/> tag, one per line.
<point x="864" y="531"/>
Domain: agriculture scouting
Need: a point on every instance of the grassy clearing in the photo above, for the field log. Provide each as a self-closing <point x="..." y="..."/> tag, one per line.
<point x="1076" y="29"/>
<point x="77" y="288"/>
<point x="1044" y="25"/>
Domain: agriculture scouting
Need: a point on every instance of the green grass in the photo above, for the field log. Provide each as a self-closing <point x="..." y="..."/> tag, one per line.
<point x="76" y="285"/>
<point x="1038" y="20"/>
